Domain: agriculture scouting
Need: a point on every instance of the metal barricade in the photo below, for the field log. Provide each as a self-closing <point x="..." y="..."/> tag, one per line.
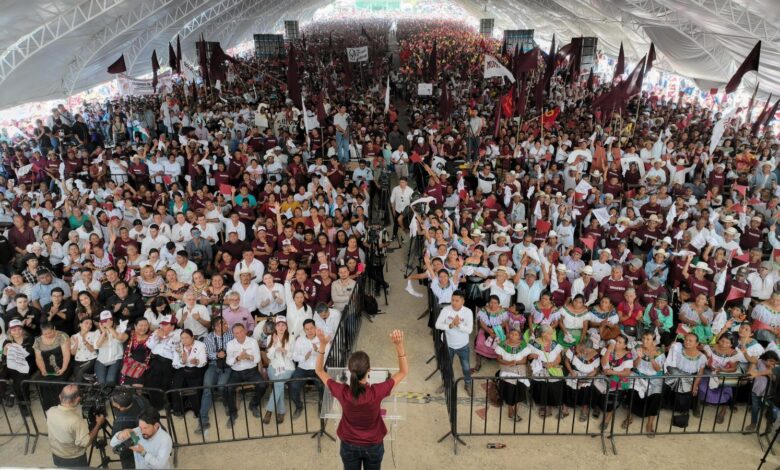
<point x="14" y="422"/>
<point x="347" y="331"/>
<point x="598" y="407"/>
<point x="249" y="411"/>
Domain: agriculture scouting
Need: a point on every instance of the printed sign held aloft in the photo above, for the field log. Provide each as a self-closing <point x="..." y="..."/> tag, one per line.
<point x="357" y="54"/>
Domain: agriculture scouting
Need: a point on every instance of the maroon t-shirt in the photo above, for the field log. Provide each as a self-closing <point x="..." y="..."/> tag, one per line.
<point x="361" y="420"/>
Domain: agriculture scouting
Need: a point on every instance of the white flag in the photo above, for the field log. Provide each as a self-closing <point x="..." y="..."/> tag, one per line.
<point x="583" y="187"/>
<point x="671" y="216"/>
<point x="721" y="282"/>
<point x="357" y="54"/>
<point x="387" y="95"/>
<point x="425" y="89"/>
<point x="494" y="68"/>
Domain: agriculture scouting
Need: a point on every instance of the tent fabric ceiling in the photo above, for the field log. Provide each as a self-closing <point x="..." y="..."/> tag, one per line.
<point x="68" y="44"/>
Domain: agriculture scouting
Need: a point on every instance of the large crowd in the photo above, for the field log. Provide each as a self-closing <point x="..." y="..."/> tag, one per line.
<point x="202" y="236"/>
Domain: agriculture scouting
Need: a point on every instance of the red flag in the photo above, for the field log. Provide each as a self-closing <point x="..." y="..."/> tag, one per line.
<point x="507" y="103"/>
<point x="775" y="252"/>
<point x="543" y="227"/>
<point x="750" y="64"/>
<point x="734" y="294"/>
<point x="431" y="70"/>
<point x="753" y="201"/>
<point x="579" y="196"/>
<point x="549" y="117"/>
<point x="528" y="61"/>
<point x="415" y="157"/>
<point x="740" y="189"/>
<point x="771" y="114"/>
<point x="738" y="208"/>
<point x="761" y="117"/>
<point x="620" y="67"/>
<point x="118" y="66"/>
<point x="589" y="242"/>
<point x="226" y="189"/>
<point x="744" y="257"/>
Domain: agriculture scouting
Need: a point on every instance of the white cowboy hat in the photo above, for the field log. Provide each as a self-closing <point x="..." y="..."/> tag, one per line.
<point x="562" y="269"/>
<point x="703" y="266"/>
<point x="587" y="270"/>
<point x="518" y="227"/>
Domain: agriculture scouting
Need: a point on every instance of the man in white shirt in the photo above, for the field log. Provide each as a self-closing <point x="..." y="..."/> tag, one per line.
<point x="248" y="290"/>
<point x="762" y="283"/>
<point x="194" y="316"/>
<point x="457" y="322"/>
<point x="400" y="161"/>
<point x="326" y="319"/>
<point x="183" y="267"/>
<point x="400" y="198"/>
<point x="341" y="123"/>
<point x="305" y="354"/>
<point x="243" y="356"/>
<point x="154" y="447"/>
<point x="154" y="240"/>
<point x="248" y="261"/>
<point x="181" y="231"/>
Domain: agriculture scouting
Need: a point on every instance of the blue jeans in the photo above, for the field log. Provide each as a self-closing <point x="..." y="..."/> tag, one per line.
<point x="342" y="147"/>
<point x="214" y="376"/>
<point x="276" y="400"/>
<point x="107" y="373"/>
<point x="756" y="404"/>
<point x="362" y="457"/>
<point x="463" y="355"/>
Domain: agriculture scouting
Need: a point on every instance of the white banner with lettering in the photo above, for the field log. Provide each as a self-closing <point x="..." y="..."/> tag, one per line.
<point x="425" y="89"/>
<point x="357" y="54"/>
<point x="136" y="86"/>
<point x="494" y="68"/>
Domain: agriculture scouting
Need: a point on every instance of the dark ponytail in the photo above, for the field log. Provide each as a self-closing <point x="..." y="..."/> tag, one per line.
<point x="358" y="366"/>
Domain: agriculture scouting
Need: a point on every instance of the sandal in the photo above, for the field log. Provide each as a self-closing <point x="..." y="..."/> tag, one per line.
<point x="626" y="423"/>
<point x="267" y="417"/>
<point x="583" y="417"/>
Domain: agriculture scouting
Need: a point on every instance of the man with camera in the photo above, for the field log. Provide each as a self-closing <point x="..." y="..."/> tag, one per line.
<point x="151" y="445"/>
<point x="69" y="434"/>
<point x="128" y="407"/>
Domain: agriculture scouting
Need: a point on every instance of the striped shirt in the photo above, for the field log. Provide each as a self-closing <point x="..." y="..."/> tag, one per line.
<point x="215" y="344"/>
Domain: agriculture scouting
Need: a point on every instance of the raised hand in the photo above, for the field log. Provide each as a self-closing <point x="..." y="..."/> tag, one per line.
<point x="397" y="337"/>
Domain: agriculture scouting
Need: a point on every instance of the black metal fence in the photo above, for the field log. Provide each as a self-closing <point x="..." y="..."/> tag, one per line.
<point x="349" y="327"/>
<point x="14" y="422"/>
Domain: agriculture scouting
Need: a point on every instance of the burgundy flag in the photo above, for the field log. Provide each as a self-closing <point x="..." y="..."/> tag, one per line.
<point x="202" y="60"/>
<point x="761" y="117"/>
<point x="322" y="116"/>
<point x="171" y="57"/>
<point x="118" y="66"/>
<point x="548" y="71"/>
<point x="155" y="68"/>
<point x="620" y="67"/>
<point x="178" y="54"/>
<point x="575" y="60"/>
<point x="528" y="61"/>
<point x="444" y="102"/>
<point x="293" y="83"/>
<point x="771" y="115"/>
<point x="750" y="64"/>
<point x="431" y="72"/>
<point x="650" y="58"/>
<point x="591" y="80"/>
<point x="634" y="81"/>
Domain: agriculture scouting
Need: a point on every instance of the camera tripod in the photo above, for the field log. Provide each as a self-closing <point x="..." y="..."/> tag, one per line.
<point x="100" y="443"/>
<point x="374" y="268"/>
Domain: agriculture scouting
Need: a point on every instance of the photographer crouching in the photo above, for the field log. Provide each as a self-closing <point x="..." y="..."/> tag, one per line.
<point x="150" y="443"/>
<point x="128" y="408"/>
<point x="69" y="434"/>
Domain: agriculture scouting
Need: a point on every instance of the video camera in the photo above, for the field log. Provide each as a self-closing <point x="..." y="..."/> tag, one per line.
<point x="93" y="403"/>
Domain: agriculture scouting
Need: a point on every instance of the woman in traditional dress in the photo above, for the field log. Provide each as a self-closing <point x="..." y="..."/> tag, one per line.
<point x="546" y="356"/>
<point x="646" y="391"/>
<point x="512" y="359"/>
<point x="617" y="361"/>
<point x="722" y="361"/>
<point x="683" y="359"/>
<point x="582" y="362"/>
<point x="493" y="324"/>
<point x="573" y="321"/>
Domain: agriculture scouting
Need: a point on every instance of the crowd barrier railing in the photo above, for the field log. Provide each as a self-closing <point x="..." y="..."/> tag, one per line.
<point x="14" y="422"/>
<point x="183" y="426"/>
<point x="587" y="406"/>
<point x="345" y="337"/>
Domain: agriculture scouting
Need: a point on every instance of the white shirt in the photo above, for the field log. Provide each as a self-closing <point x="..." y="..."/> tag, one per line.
<point x="401" y="198"/>
<point x="150" y="243"/>
<point x="158" y="449"/>
<point x="234" y="348"/>
<point x="184" y="273"/>
<point x="330" y="324"/>
<point x="762" y="288"/>
<point x="196" y="351"/>
<point x="304" y="346"/>
<point x="111" y="350"/>
<point x="527" y="295"/>
<point x="264" y="294"/>
<point x="601" y="270"/>
<point x="399" y="158"/>
<point x="256" y="266"/>
<point x="238" y="227"/>
<point x="181" y="234"/>
<point x="208" y="233"/>
<point x="164" y="347"/>
<point x="82" y="353"/>
<point x="457" y="337"/>
<point x="189" y="320"/>
<point x="249" y="296"/>
<point x="295" y="315"/>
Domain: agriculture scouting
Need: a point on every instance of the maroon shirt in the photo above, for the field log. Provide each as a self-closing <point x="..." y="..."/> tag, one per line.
<point x="703" y="286"/>
<point x="308" y="288"/>
<point x="562" y="293"/>
<point x="361" y="421"/>
<point x="323" y="291"/>
<point x="19" y="239"/>
<point x="637" y="277"/>
<point x="751" y="238"/>
<point x="614" y="289"/>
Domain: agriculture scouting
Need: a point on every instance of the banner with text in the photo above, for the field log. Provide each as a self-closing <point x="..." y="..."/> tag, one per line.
<point x="357" y="54"/>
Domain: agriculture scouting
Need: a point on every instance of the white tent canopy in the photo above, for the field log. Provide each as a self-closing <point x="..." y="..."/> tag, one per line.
<point x="51" y="49"/>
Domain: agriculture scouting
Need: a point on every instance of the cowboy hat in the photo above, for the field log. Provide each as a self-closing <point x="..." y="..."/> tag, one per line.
<point x="703" y="266"/>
